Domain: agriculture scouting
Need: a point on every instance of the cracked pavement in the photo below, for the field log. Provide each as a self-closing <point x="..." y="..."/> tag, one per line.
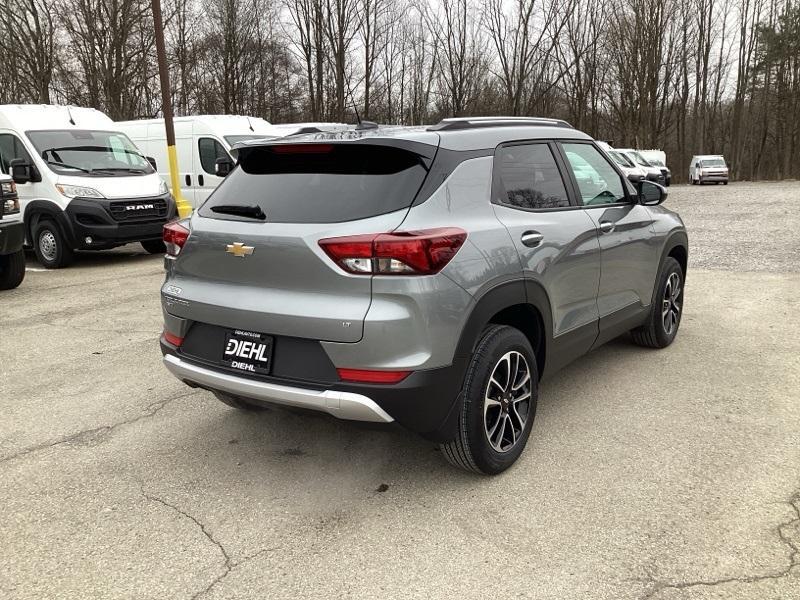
<point x="667" y="475"/>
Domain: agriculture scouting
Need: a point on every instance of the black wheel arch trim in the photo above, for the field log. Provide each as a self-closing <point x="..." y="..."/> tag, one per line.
<point x="37" y="210"/>
<point x="500" y="297"/>
<point x="677" y="238"/>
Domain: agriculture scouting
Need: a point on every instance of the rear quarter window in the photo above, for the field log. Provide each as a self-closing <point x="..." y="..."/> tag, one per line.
<point x="320" y="183"/>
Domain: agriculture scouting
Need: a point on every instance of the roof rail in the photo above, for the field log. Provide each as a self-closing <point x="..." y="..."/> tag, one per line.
<point x="456" y="123"/>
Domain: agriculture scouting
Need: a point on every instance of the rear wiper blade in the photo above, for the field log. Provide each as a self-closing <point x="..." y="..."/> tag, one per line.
<point x="240" y="210"/>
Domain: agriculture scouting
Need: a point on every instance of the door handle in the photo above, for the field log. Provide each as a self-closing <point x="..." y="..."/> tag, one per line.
<point x="200" y="180"/>
<point x="531" y="239"/>
<point x="188" y="179"/>
<point x="606" y="226"/>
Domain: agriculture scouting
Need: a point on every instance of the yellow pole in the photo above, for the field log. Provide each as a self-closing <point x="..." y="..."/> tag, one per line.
<point x="183" y="206"/>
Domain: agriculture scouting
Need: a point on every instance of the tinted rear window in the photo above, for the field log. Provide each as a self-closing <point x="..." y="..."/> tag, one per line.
<point x="329" y="184"/>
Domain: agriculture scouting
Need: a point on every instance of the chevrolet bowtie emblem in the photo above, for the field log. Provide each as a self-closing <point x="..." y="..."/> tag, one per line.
<point x="239" y="249"/>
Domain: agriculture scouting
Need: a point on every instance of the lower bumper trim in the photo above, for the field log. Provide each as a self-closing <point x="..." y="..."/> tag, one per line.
<point x="340" y="404"/>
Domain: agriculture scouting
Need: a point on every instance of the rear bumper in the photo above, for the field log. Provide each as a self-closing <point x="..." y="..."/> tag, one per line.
<point x="12" y="236"/>
<point x="426" y="402"/>
<point x="344" y="405"/>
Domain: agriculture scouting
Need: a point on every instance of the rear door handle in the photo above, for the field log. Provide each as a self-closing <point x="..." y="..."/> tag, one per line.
<point x="606" y="226"/>
<point x="531" y="239"/>
<point x="188" y="179"/>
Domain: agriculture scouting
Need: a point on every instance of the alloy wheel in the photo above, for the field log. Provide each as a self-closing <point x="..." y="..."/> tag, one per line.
<point x="507" y="401"/>
<point x="671" y="303"/>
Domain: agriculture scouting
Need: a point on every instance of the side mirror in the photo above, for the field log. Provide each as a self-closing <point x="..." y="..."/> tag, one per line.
<point x="152" y="162"/>
<point x="223" y="166"/>
<point x="20" y="170"/>
<point x="651" y="193"/>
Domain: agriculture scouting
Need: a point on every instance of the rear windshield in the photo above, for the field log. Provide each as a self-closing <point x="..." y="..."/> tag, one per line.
<point x="320" y="183"/>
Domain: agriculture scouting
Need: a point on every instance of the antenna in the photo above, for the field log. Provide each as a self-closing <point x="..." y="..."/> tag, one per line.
<point x="353" y="100"/>
<point x="250" y="125"/>
<point x="71" y="120"/>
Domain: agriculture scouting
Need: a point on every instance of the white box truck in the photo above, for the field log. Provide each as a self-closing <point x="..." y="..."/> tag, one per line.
<point x="82" y="183"/>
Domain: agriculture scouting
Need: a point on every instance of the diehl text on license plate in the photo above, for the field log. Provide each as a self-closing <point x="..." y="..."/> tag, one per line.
<point x="248" y="351"/>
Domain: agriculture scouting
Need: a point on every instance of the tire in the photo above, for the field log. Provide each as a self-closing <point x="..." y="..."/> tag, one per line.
<point x="655" y="333"/>
<point x="694" y="181"/>
<point x="483" y="444"/>
<point x="724" y="183"/>
<point x="154" y="247"/>
<point x="50" y="246"/>
<point x="12" y="270"/>
<point x="237" y="402"/>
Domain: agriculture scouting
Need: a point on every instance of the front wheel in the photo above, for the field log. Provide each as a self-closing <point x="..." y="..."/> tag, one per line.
<point x="51" y="246"/>
<point x="665" y="312"/>
<point x="12" y="270"/>
<point x="498" y="403"/>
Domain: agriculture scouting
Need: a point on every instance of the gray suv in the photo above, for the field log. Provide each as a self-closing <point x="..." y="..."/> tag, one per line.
<point x="428" y="276"/>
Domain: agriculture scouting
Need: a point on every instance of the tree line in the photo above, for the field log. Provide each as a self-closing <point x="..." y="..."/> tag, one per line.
<point x="686" y="76"/>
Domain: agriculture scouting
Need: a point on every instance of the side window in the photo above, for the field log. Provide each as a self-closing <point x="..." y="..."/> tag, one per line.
<point x="11" y="148"/>
<point x="597" y="180"/>
<point x="530" y="177"/>
<point x="210" y="151"/>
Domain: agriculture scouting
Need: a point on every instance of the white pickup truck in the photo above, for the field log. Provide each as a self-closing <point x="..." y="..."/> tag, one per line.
<point x="12" y="236"/>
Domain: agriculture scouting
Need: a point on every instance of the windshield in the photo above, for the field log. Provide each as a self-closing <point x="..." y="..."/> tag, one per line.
<point x="655" y="162"/>
<point x="713" y="162"/>
<point x="92" y="153"/>
<point x="621" y="159"/>
<point x="640" y="159"/>
<point x="235" y="139"/>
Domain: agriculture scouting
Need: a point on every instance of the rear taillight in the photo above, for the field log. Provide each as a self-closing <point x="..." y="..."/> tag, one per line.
<point x="175" y="235"/>
<point x="173" y="339"/>
<point x="399" y="253"/>
<point x="370" y="376"/>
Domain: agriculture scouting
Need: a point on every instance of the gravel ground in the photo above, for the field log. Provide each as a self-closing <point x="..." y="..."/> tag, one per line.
<point x="670" y="475"/>
<point x="741" y="226"/>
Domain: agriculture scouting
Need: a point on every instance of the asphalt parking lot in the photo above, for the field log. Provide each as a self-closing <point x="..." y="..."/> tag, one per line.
<point x="657" y="475"/>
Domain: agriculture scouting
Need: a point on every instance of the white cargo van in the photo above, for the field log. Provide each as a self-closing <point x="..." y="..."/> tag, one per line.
<point x="82" y="184"/>
<point x="200" y="141"/>
<point x="708" y="168"/>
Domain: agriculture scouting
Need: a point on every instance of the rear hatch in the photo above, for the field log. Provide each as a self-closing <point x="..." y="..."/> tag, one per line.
<point x="268" y="274"/>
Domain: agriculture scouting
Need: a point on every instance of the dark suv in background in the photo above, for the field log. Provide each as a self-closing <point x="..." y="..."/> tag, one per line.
<point x="429" y="276"/>
<point x="12" y="236"/>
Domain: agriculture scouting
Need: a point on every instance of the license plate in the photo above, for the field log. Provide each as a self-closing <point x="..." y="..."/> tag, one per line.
<point x="248" y="351"/>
